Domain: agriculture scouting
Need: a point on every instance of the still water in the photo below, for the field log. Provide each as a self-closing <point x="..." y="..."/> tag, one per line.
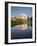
<point x="21" y="32"/>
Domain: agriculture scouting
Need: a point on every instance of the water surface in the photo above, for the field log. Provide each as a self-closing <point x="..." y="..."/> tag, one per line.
<point x="21" y="32"/>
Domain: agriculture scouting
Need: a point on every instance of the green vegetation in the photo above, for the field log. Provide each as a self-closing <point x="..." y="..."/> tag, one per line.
<point x="20" y="22"/>
<point x="17" y="22"/>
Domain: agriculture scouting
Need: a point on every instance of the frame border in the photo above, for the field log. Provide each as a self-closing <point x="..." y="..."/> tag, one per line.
<point x="6" y="22"/>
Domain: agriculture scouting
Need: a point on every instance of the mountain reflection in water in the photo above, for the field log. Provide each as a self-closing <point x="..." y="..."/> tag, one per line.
<point x="21" y="32"/>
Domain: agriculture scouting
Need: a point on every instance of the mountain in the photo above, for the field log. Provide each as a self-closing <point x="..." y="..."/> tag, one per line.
<point x="21" y="16"/>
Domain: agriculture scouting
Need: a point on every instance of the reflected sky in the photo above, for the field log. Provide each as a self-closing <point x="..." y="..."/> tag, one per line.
<point x="21" y="32"/>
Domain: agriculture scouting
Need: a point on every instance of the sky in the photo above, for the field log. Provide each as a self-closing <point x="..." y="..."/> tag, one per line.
<point x="15" y="11"/>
